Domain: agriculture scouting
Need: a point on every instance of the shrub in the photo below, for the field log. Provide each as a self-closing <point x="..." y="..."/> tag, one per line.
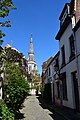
<point x="46" y="92"/>
<point x="16" y="87"/>
<point x="5" y="114"/>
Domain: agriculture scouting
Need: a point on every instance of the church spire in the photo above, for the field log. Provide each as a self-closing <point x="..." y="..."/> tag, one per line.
<point x="31" y="59"/>
<point x="31" y="50"/>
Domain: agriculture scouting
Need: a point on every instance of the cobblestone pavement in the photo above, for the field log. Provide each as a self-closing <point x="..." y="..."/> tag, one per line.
<point x="32" y="110"/>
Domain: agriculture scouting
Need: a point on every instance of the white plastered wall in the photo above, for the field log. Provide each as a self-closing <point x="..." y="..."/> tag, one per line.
<point x="69" y="67"/>
<point x="77" y="36"/>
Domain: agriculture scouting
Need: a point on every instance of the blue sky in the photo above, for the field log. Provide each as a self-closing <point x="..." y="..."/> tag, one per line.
<point x="39" y="18"/>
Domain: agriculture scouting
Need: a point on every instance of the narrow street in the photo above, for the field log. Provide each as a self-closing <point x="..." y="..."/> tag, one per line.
<point x="34" y="110"/>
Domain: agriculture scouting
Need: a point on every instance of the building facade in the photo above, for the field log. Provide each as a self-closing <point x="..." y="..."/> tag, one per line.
<point x="32" y="65"/>
<point x="44" y="66"/>
<point x="63" y="72"/>
<point x="77" y="57"/>
<point x="44" y="71"/>
<point x="52" y="77"/>
<point x="68" y="61"/>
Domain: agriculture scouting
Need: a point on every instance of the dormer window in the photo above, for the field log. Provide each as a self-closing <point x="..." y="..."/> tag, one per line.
<point x="64" y="13"/>
<point x="63" y="17"/>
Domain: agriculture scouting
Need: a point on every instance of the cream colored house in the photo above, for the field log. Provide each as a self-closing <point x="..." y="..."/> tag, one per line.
<point x="69" y="54"/>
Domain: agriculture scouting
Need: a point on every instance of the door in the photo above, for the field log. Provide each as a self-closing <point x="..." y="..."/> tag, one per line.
<point x="76" y="92"/>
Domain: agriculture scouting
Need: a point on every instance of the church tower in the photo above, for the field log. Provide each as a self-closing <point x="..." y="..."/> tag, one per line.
<point x="31" y="59"/>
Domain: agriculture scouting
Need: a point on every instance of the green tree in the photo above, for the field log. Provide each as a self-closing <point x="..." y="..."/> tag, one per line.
<point x="16" y="87"/>
<point x="14" y="56"/>
<point x="5" y="114"/>
<point x="5" y="7"/>
<point x="35" y="79"/>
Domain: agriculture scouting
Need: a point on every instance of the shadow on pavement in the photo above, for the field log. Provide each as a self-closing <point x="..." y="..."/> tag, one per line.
<point x="53" y="114"/>
<point x="19" y="116"/>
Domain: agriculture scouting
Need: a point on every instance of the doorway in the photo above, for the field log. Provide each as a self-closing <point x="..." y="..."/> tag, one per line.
<point x="75" y="88"/>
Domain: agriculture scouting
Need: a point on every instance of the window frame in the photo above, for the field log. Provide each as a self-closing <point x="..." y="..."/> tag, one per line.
<point x="63" y="55"/>
<point x="72" y="47"/>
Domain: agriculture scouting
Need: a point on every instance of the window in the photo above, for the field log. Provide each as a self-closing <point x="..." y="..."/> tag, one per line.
<point x="64" y="17"/>
<point x="34" y="66"/>
<point x="63" y="55"/>
<point x="72" y="46"/>
<point x="29" y="68"/>
<point x="64" y="86"/>
<point x="56" y="66"/>
<point x="49" y="71"/>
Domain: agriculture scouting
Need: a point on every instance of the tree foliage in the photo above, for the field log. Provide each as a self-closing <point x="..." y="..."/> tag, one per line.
<point x="14" y="56"/>
<point x="46" y="92"/>
<point x="15" y="87"/>
<point x="5" y="114"/>
<point x="5" y="7"/>
<point x="35" y="79"/>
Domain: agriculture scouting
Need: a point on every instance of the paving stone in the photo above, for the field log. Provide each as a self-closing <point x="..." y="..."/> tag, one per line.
<point x="33" y="111"/>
